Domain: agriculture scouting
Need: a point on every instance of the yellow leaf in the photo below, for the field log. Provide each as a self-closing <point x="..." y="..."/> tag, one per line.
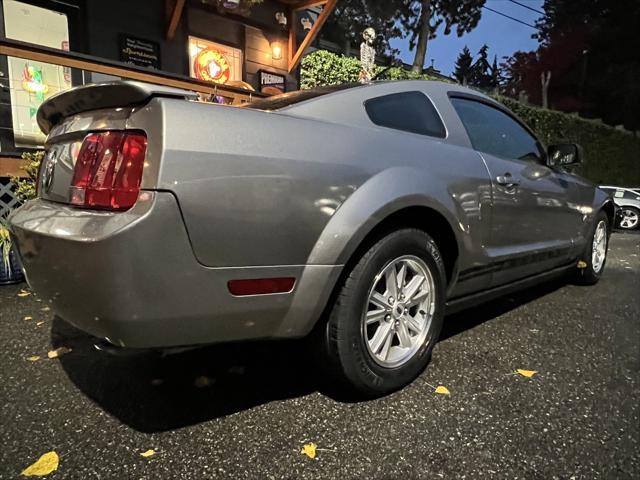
<point x="24" y="294"/>
<point x="309" y="450"/>
<point x="582" y="264"/>
<point x="39" y="323"/>
<point x="527" y="373"/>
<point x="58" y="352"/>
<point x="148" y="453"/>
<point x="35" y="358"/>
<point x="442" y="390"/>
<point x="45" y="309"/>
<point x="46" y="464"/>
<point x="28" y="318"/>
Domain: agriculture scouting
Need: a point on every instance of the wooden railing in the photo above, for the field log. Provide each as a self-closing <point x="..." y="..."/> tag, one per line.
<point x="12" y="166"/>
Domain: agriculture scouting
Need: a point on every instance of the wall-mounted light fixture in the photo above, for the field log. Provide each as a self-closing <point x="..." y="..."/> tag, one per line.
<point x="231" y="4"/>
<point x="281" y="18"/>
<point x="276" y="50"/>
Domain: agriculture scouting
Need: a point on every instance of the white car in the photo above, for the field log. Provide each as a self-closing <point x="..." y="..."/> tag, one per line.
<point x="628" y="202"/>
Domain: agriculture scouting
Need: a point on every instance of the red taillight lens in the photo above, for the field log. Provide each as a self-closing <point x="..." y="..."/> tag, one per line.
<point x="108" y="170"/>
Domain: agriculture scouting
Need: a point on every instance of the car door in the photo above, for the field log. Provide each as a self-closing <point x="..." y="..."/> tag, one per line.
<point x="532" y="224"/>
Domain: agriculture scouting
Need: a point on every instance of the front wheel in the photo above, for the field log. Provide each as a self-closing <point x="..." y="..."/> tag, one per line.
<point x="629" y="218"/>
<point x="388" y="315"/>
<point x="592" y="265"/>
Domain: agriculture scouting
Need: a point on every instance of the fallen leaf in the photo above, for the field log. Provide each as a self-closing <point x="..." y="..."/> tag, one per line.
<point x="45" y="309"/>
<point x="46" y="464"/>
<point x="58" y="352"/>
<point x="34" y="358"/>
<point x="148" y="453"/>
<point x="526" y="373"/>
<point x="24" y="294"/>
<point x="582" y="264"/>
<point x="203" y="381"/>
<point x="442" y="390"/>
<point x="309" y="449"/>
<point x="39" y="323"/>
<point x="28" y="318"/>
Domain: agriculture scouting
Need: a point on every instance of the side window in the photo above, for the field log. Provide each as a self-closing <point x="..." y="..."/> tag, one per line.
<point x="408" y="111"/>
<point x="493" y="131"/>
<point x="631" y="195"/>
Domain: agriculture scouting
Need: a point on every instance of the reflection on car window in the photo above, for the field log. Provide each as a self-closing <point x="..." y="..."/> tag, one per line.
<point x="407" y="111"/>
<point x="493" y="131"/>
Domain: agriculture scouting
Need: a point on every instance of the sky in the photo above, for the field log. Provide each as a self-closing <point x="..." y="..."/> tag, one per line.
<point x="504" y="36"/>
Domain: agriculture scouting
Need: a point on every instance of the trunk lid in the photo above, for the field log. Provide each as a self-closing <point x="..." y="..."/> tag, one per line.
<point x="70" y="116"/>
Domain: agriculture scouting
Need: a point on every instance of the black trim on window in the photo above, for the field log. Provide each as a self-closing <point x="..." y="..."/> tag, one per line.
<point x="431" y="127"/>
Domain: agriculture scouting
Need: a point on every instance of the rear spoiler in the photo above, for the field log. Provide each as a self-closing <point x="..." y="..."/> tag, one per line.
<point x="102" y="95"/>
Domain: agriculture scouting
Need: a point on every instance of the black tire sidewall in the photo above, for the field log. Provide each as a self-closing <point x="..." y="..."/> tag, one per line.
<point x="360" y="368"/>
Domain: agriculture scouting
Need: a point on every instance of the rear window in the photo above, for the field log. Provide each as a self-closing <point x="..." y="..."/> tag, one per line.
<point x="408" y="111"/>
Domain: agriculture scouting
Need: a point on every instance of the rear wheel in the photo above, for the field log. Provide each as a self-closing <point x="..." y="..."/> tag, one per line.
<point x="629" y="218"/>
<point x="595" y="255"/>
<point x="388" y="315"/>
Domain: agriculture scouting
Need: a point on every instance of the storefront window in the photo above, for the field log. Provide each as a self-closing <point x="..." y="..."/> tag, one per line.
<point x="30" y="82"/>
<point x="214" y="62"/>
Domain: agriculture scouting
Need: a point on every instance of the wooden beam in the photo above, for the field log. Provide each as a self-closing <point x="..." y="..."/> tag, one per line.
<point x="59" y="57"/>
<point x="13" y="167"/>
<point x="178" y="6"/>
<point x="309" y="4"/>
<point x="329" y="5"/>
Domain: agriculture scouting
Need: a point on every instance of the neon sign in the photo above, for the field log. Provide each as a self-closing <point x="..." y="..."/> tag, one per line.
<point x="32" y="82"/>
<point x="212" y="66"/>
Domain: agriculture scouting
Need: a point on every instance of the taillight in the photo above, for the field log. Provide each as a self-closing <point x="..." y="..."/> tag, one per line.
<point x="108" y="170"/>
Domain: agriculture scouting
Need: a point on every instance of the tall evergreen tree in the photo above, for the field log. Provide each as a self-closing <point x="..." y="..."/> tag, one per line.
<point x="462" y="67"/>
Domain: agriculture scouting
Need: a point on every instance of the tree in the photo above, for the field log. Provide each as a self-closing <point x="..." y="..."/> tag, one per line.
<point x="590" y="50"/>
<point x="462" y="67"/>
<point x="480" y="70"/>
<point x="421" y="19"/>
<point x="351" y="17"/>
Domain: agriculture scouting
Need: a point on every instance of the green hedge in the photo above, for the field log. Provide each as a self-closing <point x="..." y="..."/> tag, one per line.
<point x="612" y="156"/>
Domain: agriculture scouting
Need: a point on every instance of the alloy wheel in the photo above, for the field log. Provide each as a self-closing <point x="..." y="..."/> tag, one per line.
<point x="399" y="311"/>
<point x="630" y="219"/>
<point x="599" y="248"/>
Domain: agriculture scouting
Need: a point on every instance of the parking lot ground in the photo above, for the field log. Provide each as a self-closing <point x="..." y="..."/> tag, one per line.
<point x="246" y="410"/>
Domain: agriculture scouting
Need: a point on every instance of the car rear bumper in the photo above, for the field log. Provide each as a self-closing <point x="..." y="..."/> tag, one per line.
<point x="132" y="278"/>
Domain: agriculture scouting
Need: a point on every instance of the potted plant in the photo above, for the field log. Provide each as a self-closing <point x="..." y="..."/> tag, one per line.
<point x="10" y="268"/>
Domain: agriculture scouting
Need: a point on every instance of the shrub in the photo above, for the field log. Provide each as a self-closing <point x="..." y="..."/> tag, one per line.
<point x="612" y="156"/>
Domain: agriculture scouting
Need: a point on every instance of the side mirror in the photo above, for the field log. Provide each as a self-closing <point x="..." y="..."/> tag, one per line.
<point x="563" y="154"/>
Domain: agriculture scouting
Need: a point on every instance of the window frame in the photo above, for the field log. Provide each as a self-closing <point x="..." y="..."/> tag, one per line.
<point x="501" y="108"/>
<point x="404" y="92"/>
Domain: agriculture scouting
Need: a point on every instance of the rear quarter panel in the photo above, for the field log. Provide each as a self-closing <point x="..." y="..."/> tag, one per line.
<point x="258" y="188"/>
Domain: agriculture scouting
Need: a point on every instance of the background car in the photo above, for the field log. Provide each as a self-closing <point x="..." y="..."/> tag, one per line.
<point x="628" y="202"/>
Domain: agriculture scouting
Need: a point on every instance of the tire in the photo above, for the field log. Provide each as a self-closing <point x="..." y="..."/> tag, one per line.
<point x="590" y="274"/>
<point x="351" y="343"/>
<point x="630" y="218"/>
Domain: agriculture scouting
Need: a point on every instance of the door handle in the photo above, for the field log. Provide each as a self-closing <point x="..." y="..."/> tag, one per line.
<point x="507" y="180"/>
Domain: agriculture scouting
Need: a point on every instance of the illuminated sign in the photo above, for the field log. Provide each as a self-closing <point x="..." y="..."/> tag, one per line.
<point x="214" y="62"/>
<point x="212" y="66"/>
<point x="32" y="82"/>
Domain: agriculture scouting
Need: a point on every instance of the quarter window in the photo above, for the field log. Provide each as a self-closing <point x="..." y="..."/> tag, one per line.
<point x="493" y="131"/>
<point x="407" y="111"/>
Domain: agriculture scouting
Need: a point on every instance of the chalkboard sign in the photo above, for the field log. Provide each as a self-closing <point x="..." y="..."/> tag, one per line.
<point x="139" y="51"/>
<point x="272" y="83"/>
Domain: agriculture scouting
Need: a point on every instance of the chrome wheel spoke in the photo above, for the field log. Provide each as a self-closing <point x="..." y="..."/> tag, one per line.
<point x="384" y="330"/>
<point x="402" y="274"/>
<point x="374" y="316"/>
<point x="418" y="298"/>
<point x="413" y="324"/>
<point x="412" y="287"/>
<point x="391" y="281"/>
<point x="378" y="300"/>
<point x="403" y="335"/>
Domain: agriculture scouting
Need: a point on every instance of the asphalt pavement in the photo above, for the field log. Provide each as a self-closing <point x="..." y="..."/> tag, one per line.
<point x="246" y="410"/>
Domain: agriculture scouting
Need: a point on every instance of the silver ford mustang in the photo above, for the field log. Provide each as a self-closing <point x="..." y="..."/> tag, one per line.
<point x="358" y="214"/>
